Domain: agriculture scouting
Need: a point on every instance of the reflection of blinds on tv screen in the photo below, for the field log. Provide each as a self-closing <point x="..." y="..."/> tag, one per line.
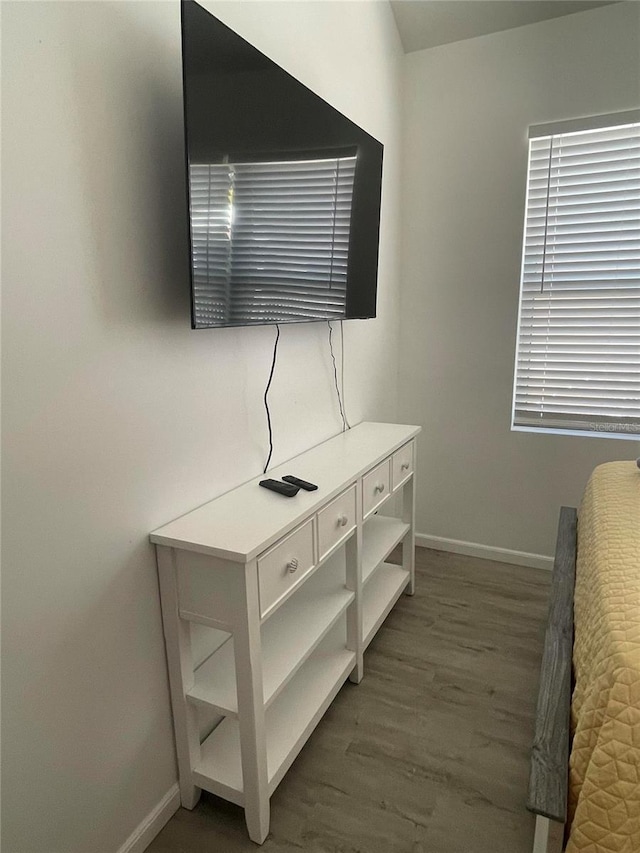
<point x="270" y="240"/>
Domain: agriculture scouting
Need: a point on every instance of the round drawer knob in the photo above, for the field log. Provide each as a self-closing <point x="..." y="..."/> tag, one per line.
<point x="292" y="565"/>
<point x="342" y="520"/>
<point x="405" y="466"/>
<point x="380" y="487"/>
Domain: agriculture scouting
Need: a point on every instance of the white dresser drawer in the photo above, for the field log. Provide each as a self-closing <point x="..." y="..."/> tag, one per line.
<point x="402" y="465"/>
<point x="284" y="565"/>
<point x="336" y="521"/>
<point x="376" y="486"/>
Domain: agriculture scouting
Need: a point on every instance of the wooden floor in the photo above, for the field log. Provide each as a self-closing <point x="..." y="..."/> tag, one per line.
<point x="430" y="753"/>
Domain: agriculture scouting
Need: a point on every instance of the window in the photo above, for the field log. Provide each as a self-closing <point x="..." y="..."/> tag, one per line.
<point x="578" y="344"/>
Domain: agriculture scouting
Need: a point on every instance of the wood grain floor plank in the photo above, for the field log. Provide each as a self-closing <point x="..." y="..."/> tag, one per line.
<point x="430" y="753"/>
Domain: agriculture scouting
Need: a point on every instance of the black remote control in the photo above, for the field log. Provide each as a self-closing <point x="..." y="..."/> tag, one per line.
<point x="308" y="487"/>
<point x="285" y="489"/>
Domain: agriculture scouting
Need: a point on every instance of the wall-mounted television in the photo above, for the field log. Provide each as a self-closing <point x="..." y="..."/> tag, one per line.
<point x="283" y="190"/>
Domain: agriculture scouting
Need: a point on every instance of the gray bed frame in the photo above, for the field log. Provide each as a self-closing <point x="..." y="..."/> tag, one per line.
<point x="549" y="775"/>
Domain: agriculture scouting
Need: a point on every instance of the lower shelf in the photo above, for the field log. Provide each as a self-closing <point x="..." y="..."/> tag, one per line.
<point x="380" y="594"/>
<point x="380" y="536"/>
<point x="289" y="722"/>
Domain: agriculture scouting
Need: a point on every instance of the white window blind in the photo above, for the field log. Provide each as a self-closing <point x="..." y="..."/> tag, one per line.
<point x="578" y="347"/>
<point x="270" y="240"/>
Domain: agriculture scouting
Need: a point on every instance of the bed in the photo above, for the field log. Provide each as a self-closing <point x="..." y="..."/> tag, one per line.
<point x="585" y="768"/>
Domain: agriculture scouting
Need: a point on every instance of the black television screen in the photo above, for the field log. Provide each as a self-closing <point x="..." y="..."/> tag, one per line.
<point x="283" y="190"/>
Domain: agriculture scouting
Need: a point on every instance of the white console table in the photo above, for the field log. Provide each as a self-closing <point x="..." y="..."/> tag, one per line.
<point x="268" y="604"/>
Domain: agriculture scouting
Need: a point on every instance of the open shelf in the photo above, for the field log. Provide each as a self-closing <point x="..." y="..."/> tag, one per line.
<point x="287" y="641"/>
<point x="380" y="536"/>
<point x="205" y="641"/>
<point x="289" y="722"/>
<point x="379" y="596"/>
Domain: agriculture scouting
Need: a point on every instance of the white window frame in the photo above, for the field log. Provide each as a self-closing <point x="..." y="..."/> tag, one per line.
<point x="609" y="429"/>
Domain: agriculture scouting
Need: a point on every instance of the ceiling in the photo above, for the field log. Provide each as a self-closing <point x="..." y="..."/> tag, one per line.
<point x="427" y="23"/>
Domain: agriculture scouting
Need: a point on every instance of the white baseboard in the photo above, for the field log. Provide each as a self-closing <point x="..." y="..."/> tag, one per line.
<point x="486" y="552"/>
<point x="143" y="835"/>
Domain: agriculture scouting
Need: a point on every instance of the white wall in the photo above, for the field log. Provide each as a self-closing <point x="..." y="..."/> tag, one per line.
<point x="117" y="417"/>
<point x="467" y="109"/>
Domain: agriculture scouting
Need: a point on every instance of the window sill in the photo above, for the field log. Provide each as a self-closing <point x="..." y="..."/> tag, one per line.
<point x="582" y="433"/>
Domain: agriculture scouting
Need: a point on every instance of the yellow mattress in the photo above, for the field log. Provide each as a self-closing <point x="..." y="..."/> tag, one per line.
<point x="604" y="768"/>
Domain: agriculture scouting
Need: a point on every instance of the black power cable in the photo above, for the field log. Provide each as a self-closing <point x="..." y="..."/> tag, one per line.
<point x="344" y="404"/>
<point x="266" y="404"/>
<point x="335" y="375"/>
